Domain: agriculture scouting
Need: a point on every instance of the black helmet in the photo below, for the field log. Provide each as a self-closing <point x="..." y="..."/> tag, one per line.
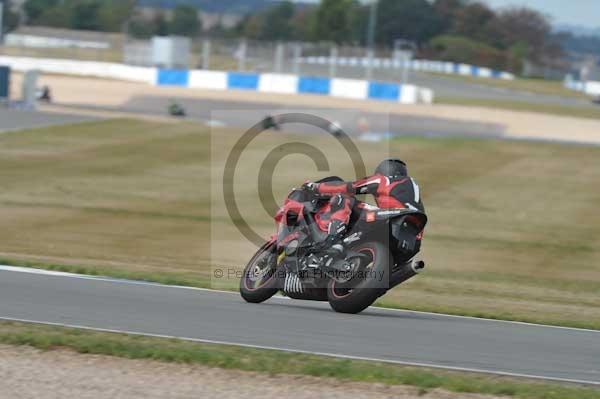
<point x="392" y="167"/>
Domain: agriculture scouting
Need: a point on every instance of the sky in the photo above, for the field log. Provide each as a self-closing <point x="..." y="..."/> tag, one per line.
<point x="585" y="13"/>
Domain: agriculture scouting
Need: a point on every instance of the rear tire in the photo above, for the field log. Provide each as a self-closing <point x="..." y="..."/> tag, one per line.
<point x="360" y="293"/>
<point x="259" y="282"/>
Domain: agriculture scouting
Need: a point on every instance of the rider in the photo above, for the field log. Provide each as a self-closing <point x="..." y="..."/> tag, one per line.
<point x="390" y="185"/>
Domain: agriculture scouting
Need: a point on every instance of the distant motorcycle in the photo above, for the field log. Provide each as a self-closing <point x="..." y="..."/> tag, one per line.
<point x="177" y="110"/>
<point x="381" y="249"/>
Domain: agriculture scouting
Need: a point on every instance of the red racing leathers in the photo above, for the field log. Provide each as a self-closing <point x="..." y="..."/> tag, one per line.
<point x="395" y="192"/>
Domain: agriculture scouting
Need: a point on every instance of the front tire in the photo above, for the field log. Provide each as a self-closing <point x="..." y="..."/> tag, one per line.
<point x="259" y="282"/>
<point x="371" y="281"/>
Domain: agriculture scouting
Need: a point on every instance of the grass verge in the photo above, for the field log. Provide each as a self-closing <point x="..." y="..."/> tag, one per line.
<point x="279" y="362"/>
<point x="561" y="110"/>
<point x="538" y="86"/>
<point x="128" y="199"/>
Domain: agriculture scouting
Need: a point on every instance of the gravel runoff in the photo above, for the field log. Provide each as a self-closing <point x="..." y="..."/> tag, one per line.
<point x="30" y="373"/>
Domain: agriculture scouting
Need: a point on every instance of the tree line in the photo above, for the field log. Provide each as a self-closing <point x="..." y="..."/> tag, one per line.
<point x="105" y="16"/>
<point x="454" y="30"/>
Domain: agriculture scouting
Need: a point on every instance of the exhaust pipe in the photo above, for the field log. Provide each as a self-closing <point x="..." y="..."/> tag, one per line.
<point x="408" y="271"/>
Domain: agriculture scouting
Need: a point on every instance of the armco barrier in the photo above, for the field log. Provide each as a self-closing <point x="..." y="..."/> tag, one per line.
<point x="217" y="80"/>
<point x="82" y="68"/>
<point x="414" y="65"/>
<point x="590" y="87"/>
<point x="291" y="84"/>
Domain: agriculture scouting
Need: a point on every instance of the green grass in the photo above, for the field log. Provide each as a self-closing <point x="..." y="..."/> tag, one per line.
<point x="100" y="55"/>
<point x="180" y="279"/>
<point x="514" y="230"/>
<point x="538" y="86"/>
<point x="561" y="110"/>
<point x="279" y="362"/>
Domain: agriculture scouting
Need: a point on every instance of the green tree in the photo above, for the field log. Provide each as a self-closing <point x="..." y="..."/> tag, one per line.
<point x="59" y="17"/>
<point x="10" y="19"/>
<point x="414" y="20"/>
<point x="525" y="32"/>
<point x="302" y="23"/>
<point x="35" y="8"/>
<point x="140" y="28"/>
<point x="333" y="20"/>
<point x="250" y="27"/>
<point x="469" y="51"/>
<point x="473" y="21"/>
<point x="113" y="14"/>
<point x="185" y="22"/>
<point x="447" y="11"/>
<point x="276" y="22"/>
<point x="84" y="14"/>
<point x="160" y="25"/>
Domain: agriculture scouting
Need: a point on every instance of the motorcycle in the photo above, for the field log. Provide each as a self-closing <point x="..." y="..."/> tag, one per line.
<point x="381" y="248"/>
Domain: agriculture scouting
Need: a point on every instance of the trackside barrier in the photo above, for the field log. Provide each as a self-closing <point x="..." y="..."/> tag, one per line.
<point x="82" y="68"/>
<point x="450" y="68"/>
<point x="292" y="84"/>
<point x="218" y="80"/>
<point x="590" y="87"/>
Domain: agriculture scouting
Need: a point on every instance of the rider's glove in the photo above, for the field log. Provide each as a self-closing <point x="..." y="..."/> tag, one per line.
<point x="310" y="186"/>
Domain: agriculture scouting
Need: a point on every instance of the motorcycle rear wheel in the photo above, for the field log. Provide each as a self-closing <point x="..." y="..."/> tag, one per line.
<point x="259" y="280"/>
<point x="370" y="281"/>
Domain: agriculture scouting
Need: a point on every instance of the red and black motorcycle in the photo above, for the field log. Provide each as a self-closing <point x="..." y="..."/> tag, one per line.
<point x="381" y="245"/>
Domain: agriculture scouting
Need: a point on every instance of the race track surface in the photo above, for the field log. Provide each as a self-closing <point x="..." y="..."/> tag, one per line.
<point x="13" y="119"/>
<point x="239" y="114"/>
<point x="388" y="335"/>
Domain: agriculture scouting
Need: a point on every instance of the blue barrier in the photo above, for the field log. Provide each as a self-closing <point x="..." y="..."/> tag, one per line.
<point x="243" y="81"/>
<point x="172" y="77"/>
<point x="474" y="70"/>
<point x="4" y="82"/>
<point x="384" y="91"/>
<point x="314" y="85"/>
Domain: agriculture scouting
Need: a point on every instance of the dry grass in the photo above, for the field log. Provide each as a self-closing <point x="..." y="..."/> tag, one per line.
<point x="514" y="229"/>
<point x="537" y="86"/>
<point x="99" y="55"/>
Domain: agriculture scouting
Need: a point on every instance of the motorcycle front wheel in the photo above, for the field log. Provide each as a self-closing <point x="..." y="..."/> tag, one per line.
<point x="259" y="280"/>
<point x="368" y="281"/>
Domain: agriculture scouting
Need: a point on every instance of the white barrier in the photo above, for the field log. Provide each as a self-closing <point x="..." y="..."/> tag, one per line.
<point x="217" y="80"/>
<point x="349" y="88"/>
<point x="81" y="68"/>
<point x="415" y="65"/>
<point x="590" y="87"/>
<point x="211" y="80"/>
<point x="277" y="83"/>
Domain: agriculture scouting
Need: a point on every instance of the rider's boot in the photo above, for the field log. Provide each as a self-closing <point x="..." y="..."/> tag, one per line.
<point x="334" y="246"/>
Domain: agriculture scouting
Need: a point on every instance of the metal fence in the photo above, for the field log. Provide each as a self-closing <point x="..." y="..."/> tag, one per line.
<point x="318" y="59"/>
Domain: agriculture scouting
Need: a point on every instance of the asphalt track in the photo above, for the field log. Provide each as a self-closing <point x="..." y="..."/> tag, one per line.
<point x="404" y="337"/>
<point x="239" y="114"/>
<point x="14" y="119"/>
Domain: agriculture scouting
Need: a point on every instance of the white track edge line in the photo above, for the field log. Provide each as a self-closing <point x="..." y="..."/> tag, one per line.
<point x="341" y="356"/>
<point x="31" y="270"/>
